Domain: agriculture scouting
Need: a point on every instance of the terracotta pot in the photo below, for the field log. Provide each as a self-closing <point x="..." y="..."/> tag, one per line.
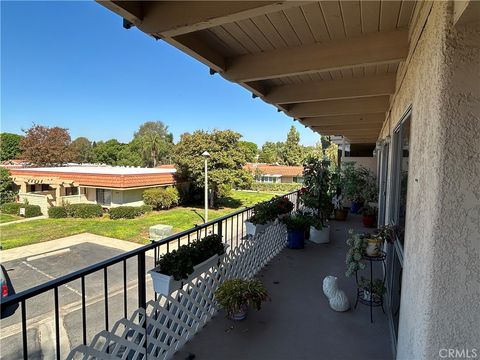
<point x="341" y="214"/>
<point x="368" y="221"/>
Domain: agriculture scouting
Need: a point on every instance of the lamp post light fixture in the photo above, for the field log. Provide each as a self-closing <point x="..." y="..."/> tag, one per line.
<point x="206" y="155"/>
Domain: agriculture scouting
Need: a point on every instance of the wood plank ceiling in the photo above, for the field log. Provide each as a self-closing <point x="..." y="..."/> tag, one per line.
<point x="330" y="64"/>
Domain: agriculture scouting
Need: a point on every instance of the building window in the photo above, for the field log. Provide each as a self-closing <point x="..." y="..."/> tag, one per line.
<point x="104" y="197"/>
<point x="298" y="179"/>
<point x="71" y="191"/>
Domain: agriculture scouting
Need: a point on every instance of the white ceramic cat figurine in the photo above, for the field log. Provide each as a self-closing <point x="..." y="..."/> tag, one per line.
<point x="336" y="298"/>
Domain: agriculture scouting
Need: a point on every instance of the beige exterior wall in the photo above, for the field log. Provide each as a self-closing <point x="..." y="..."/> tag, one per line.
<point x="440" y="307"/>
<point x="369" y="162"/>
<point x="44" y="201"/>
<point x="133" y="197"/>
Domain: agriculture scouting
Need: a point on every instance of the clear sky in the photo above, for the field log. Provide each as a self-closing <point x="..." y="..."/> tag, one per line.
<point x="71" y="64"/>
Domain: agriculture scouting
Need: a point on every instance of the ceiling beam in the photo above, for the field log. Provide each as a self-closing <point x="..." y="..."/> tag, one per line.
<point x="332" y="89"/>
<point x="173" y="18"/>
<point x="376" y="48"/>
<point x="339" y="107"/>
<point x="357" y="119"/>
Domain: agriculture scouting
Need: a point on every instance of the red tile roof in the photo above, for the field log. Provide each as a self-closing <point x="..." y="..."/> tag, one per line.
<point x="273" y="169"/>
<point x="114" y="180"/>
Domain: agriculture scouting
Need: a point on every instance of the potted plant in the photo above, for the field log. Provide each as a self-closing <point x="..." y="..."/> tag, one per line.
<point x="369" y="215"/>
<point x="387" y="233"/>
<point x="236" y="295"/>
<point x="372" y="291"/>
<point x="281" y="206"/>
<point x="356" y="249"/>
<point x="175" y="268"/>
<point x="296" y="225"/>
<point x="261" y="219"/>
<point x="337" y="201"/>
<point x="316" y="198"/>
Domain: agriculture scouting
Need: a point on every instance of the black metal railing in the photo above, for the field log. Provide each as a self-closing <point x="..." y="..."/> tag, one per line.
<point x="230" y="227"/>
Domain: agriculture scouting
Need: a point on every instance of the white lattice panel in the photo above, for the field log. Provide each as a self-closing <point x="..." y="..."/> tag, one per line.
<point x="169" y="322"/>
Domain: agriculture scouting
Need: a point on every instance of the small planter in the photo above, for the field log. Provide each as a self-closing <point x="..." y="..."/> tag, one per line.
<point x="320" y="236"/>
<point x="341" y="214"/>
<point x="166" y="284"/>
<point x="239" y="315"/>
<point x="295" y="239"/>
<point x="373" y="247"/>
<point x="368" y="221"/>
<point x="255" y="229"/>
<point x="356" y="205"/>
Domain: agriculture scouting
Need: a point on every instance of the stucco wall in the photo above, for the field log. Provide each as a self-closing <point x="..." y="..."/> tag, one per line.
<point x="369" y="162"/>
<point x="440" y="306"/>
<point x="133" y="197"/>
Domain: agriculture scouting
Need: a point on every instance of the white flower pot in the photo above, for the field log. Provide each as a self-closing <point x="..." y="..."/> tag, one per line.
<point x="253" y="230"/>
<point x="320" y="236"/>
<point x="166" y="284"/>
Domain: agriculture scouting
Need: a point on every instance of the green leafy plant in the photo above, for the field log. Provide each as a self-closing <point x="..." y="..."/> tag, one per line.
<point x="12" y="208"/>
<point x="161" y="198"/>
<point x="279" y="206"/>
<point x="356" y="249"/>
<point x="387" y="233"/>
<point x="124" y="212"/>
<point x="368" y="210"/>
<point x="297" y="221"/>
<point x="32" y="210"/>
<point x="179" y="263"/>
<point x="315" y="194"/>
<point x="235" y="294"/>
<point x="57" y="212"/>
<point x="84" y="211"/>
<point x="278" y="187"/>
<point x="377" y="286"/>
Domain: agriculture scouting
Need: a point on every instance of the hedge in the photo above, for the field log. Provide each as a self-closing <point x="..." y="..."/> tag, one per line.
<point x="12" y="208"/>
<point x="32" y="210"/>
<point x="84" y="210"/>
<point x="161" y="198"/>
<point x="129" y="212"/>
<point x="57" y="212"/>
<point x="280" y="187"/>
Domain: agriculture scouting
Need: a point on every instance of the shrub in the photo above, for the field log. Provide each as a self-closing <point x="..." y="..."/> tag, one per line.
<point x="278" y="187"/>
<point x="144" y="209"/>
<point x="161" y="198"/>
<point x="32" y="210"/>
<point x="57" y="212"/>
<point x="179" y="263"/>
<point x="124" y="212"/>
<point x="12" y="208"/>
<point x="84" y="210"/>
<point x="234" y="294"/>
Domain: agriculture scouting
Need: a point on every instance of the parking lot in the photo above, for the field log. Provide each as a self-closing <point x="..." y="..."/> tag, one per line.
<point x="39" y="267"/>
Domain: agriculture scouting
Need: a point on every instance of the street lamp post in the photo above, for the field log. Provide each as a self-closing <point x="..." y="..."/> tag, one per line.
<point x="206" y="155"/>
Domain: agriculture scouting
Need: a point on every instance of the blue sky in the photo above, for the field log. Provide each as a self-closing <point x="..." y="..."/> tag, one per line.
<point x="71" y="64"/>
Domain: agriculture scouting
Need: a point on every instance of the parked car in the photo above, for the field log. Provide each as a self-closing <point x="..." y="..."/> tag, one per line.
<point x="7" y="290"/>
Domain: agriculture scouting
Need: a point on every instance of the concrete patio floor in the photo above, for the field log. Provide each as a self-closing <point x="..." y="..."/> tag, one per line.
<point x="297" y="323"/>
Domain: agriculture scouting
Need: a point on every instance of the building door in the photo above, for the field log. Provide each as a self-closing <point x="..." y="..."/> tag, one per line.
<point x="104" y="197"/>
<point x="397" y="216"/>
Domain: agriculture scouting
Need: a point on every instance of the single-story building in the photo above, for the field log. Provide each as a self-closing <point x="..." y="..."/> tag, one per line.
<point x="106" y="185"/>
<point x="274" y="173"/>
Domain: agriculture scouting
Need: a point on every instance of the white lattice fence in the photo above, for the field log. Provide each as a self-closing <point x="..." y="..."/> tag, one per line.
<point x="171" y="321"/>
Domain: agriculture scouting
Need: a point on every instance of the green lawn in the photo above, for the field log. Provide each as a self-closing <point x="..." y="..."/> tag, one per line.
<point x="4" y="218"/>
<point x="135" y="230"/>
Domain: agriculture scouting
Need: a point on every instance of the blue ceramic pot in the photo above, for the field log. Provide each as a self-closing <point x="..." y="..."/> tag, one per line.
<point x="295" y="239"/>
<point x="355" y="207"/>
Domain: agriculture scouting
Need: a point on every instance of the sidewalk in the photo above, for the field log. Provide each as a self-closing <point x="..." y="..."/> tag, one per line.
<point x="24" y="220"/>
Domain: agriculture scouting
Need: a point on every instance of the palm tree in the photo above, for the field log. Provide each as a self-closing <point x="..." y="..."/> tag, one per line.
<point x="151" y="143"/>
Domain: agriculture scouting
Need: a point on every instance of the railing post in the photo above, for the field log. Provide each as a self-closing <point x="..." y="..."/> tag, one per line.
<point x="220" y="229"/>
<point x="142" y="291"/>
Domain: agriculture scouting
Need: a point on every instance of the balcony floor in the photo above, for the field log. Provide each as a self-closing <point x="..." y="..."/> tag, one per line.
<point x="298" y="323"/>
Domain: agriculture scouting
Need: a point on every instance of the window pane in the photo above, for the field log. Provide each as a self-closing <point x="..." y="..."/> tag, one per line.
<point x="403" y="183"/>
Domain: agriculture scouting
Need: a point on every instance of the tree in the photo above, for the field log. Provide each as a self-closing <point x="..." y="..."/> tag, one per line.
<point x="45" y="146"/>
<point x="107" y="152"/>
<point x="81" y="150"/>
<point x="6" y="185"/>
<point x="250" y="150"/>
<point x="10" y="146"/>
<point x="268" y="154"/>
<point x="156" y="142"/>
<point x="293" y="153"/>
<point x="129" y="155"/>
<point x="225" y="165"/>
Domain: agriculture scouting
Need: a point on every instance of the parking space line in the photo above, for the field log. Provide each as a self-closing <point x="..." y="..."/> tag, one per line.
<point x="51" y="253"/>
<point x="51" y="277"/>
